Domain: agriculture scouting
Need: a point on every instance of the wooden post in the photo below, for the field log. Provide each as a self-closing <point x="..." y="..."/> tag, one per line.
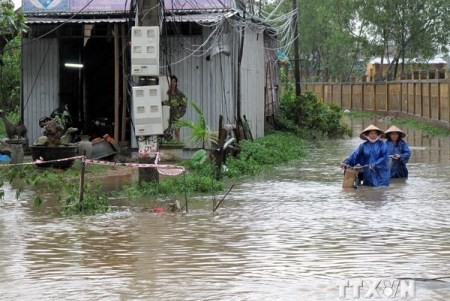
<point x="430" y="98"/>
<point x="387" y="98"/>
<point x="401" y="97"/>
<point x="439" y="100"/>
<point x="220" y="153"/>
<point x="116" y="81"/>
<point x="323" y="90"/>
<point x="351" y="96"/>
<point x="362" y="95"/>
<point x="83" y="169"/>
<point x="448" y="98"/>
<point x="375" y="96"/>
<point x="124" y="84"/>
<point x="298" y="90"/>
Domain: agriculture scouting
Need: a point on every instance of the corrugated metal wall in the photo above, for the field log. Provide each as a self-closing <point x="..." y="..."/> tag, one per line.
<point x="209" y="83"/>
<point x="212" y="83"/>
<point x="252" y="82"/>
<point x="40" y="69"/>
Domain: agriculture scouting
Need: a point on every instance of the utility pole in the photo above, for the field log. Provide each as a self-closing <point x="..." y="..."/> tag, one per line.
<point x="148" y="16"/>
<point x="298" y="89"/>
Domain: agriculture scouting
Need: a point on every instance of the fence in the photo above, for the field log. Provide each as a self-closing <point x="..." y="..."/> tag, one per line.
<point x="422" y="98"/>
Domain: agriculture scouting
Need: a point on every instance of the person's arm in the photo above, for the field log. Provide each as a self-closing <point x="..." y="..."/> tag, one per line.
<point x="353" y="159"/>
<point x="405" y="152"/>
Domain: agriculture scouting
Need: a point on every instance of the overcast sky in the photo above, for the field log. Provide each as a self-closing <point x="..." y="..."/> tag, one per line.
<point x="17" y="3"/>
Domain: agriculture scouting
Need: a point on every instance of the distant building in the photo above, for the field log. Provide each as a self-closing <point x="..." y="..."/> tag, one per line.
<point x="375" y="69"/>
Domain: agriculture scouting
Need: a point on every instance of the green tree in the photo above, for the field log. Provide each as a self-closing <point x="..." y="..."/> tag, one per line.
<point x="330" y="38"/>
<point x="12" y="23"/>
<point x="327" y="40"/>
<point x="405" y="29"/>
<point x="335" y="35"/>
<point x="10" y="76"/>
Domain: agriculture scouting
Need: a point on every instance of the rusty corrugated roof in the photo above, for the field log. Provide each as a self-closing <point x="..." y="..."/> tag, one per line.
<point x="48" y="20"/>
<point x="212" y="17"/>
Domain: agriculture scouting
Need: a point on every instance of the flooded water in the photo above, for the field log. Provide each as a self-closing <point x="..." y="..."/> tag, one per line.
<point x="292" y="235"/>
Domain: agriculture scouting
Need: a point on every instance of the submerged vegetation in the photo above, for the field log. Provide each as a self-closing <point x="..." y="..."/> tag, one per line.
<point x="298" y="120"/>
<point x="254" y="158"/>
<point x="425" y="127"/>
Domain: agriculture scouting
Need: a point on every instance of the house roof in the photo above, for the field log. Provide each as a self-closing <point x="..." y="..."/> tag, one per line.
<point x="436" y="60"/>
<point x="48" y="20"/>
<point x="197" y="18"/>
<point x="212" y="17"/>
<point x="197" y="5"/>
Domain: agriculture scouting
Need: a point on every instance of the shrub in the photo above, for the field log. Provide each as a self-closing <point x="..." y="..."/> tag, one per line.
<point x="309" y="117"/>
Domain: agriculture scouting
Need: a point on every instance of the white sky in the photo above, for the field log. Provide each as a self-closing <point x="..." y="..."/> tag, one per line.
<point x="17" y="3"/>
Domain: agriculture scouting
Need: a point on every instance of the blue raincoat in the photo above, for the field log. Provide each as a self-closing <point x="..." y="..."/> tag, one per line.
<point x="398" y="166"/>
<point x="374" y="154"/>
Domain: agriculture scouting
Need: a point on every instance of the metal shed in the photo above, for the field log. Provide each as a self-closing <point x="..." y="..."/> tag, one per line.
<point x="201" y="47"/>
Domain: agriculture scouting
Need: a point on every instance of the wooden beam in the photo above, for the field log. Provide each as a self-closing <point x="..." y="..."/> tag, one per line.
<point x="124" y="83"/>
<point x="116" y="82"/>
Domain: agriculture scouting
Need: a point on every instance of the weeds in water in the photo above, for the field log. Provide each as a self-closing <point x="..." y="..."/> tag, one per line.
<point x="362" y="115"/>
<point x="64" y="184"/>
<point x="430" y="129"/>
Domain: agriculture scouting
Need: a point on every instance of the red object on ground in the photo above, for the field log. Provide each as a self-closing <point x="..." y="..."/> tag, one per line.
<point x="158" y="210"/>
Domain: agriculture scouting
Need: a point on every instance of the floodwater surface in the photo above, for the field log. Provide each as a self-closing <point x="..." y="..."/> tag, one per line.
<point x="294" y="234"/>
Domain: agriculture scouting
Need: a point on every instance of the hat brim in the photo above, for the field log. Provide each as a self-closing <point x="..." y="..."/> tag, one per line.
<point x="387" y="135"/>
<point x="364" y="134"/>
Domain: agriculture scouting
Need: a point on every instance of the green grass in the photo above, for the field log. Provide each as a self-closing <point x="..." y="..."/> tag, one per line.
<point x="427" y="128"/>
<point x="362" y="115"/>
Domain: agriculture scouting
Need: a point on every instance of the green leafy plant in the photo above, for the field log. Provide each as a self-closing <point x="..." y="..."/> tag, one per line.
<point x="200" y="132"/>
<point x="307" y="116"/>
<point x="67" y="191"/>
<point x="264" y="153"/>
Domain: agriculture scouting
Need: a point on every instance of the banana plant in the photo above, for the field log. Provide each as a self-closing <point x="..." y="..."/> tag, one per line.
<point x="200" y="132"/>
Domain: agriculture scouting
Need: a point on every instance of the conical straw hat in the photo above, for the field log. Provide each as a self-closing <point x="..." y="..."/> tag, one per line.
<point x="394" y="129"/>
<point x="368" y="129"/>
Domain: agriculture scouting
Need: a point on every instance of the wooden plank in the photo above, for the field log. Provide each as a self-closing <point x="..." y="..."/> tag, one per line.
<point x="418" y="99"/>
<point x="425" y="103"/>
<point x="346" y="100"/>
<point x="357" y="96"/>
<point x="116" y="81"/>
<point x="369" y="96"/>
<point x="395" y="97"/>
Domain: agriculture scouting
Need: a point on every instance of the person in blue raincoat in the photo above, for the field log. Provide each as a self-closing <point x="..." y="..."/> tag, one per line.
<point x="373" y="155"/>
<point x="398" y="150"/>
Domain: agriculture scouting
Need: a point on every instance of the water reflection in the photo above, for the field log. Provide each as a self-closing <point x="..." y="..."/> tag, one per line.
<point x="291" y="235"/>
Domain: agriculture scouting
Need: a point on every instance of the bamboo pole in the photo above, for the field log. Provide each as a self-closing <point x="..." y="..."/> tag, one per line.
<point x="220" y="202"/>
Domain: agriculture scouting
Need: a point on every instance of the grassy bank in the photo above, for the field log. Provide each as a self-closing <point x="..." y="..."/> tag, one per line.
<point x="425" y="127"/>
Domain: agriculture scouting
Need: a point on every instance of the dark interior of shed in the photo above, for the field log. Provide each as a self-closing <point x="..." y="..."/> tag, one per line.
<point x="89" y="91"/>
